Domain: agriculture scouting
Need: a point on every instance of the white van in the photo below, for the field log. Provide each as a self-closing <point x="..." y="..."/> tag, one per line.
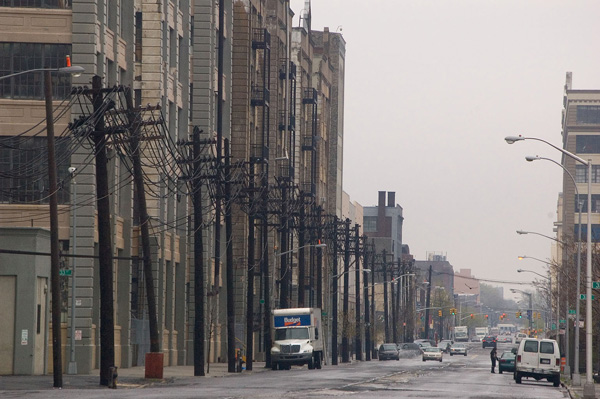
<point x="539" y="359"/>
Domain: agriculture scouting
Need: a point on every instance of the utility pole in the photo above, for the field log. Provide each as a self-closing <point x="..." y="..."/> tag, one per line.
<point x="250" y="290"/>
<point x="427" y="304"/>
<point x="54" y="238"/>
<point x="265" y="263"/>
<point x="358" y="341"/>
<point x="373" y="320"/>
<point x="199" y="290"/>
<point x="366" y="295"/>
<point x="283" y="269"/>
<point x="394" y="290"/>
<point x="385" y="298"/>
<point x="107" y="326"/>
<point x="144" y="220"/>
<point x="301" y="264"/>
<point x="345" y="346"/>
<point x="229" y="269"/>
<point x="319" y="262"/>
<point x="334" y="298"/>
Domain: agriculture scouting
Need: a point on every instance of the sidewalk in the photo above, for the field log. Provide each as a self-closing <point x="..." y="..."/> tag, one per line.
<point x="576" y="392"/>
<point x="132" y="377"/>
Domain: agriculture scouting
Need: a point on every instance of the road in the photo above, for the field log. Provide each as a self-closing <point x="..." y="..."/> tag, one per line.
<point x="455" y="377"/>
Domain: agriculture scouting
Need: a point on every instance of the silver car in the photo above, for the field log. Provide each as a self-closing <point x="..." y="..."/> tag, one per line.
<point x="458" y="349"/>
<point x="432" y="353"/>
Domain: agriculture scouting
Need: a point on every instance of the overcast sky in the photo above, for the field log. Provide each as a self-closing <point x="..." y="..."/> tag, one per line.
<point x="432" y="89"/>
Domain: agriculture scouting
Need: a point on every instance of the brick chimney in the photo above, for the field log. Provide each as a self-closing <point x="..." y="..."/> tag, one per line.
<point x="391" y="199"/>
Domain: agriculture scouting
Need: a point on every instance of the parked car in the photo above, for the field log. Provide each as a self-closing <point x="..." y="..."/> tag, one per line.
<point x="432" y="353"/>
<point x="506" y="362"/>
<point x="445" y="345"/>
<point x="424" y="342"/>
<point x="538" y="359"/>
<point x="409" y="349"/>
<point x="458" y="349"/>
<point x="504" y="339"/>
<point x="488" y="341"/>
<point x="388" y="351"/>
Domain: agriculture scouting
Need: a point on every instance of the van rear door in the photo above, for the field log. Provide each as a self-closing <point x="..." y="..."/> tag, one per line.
<point x="548" y="355"/>
<point x="530" y="355"/>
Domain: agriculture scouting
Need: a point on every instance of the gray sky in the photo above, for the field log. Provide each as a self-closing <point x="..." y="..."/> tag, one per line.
<point x="432" y="89"/>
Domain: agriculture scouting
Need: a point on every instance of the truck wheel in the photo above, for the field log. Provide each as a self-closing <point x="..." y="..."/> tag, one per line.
<point x="311" y="364"/>
<point x="499" y="370"/>
<point x="556" y="382"/>
<point x="274" y="366"/>
<point x="518" y="378"/>
<point x="318" y="360"/>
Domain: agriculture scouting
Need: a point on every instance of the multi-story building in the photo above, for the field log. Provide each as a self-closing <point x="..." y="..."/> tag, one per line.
<point x="581" y="136"/>
<point x="240" y="74"/>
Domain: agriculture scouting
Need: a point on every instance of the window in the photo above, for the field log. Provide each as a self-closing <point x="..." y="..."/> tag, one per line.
<point x="36" y="3"/>
<point x="583" y="201"/>
<point x="547" y="347"/>
<point x="138" y="37"/>
<point x="581" y="174"/>
<point x="588" y="114"/>
<point x="370" y="223"/>
<point x="23" y="167"/>
<point x="530" y="346"/>
<point x="588" y="144"/>
<point x="18" y="57"/>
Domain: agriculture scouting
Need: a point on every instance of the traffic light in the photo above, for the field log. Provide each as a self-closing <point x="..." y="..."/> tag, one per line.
<point x="472" y="315"/>
<point x="453" y="311"/>
<point x="440" y="313"/>
<point x="486" y="316"/>
<point x="519" y="315"/>
<point x="539" y="315"/>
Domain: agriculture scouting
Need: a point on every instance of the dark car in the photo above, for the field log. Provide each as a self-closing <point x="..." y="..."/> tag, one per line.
<point x="409" y="349"/>
<point x="388" y="351"/>
<point x="506" y="362"/>
<point x="488" y="341"/>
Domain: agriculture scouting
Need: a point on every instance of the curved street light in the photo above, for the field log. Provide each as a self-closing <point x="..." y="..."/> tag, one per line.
<point x="588" y="389"/>
<point x="576" y="377"/>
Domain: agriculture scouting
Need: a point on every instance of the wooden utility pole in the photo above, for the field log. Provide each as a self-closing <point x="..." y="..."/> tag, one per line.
<point x="199" y="290"/>
<point x="107" y="325"/>
<point x="345" y="327"/>
<point x="144" y="220"/>
<point x="54" y="241"/>
<point x="357" y="334"/>
<point x="251" y="273"/>
<point x="229" y="266"/>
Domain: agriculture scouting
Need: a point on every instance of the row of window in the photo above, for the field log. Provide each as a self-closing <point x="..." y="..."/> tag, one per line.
<point x="595" y="232"/>
<point x="23" y="170"/>
<point x="588" y="114"/>
<point x="19" y="57"/>
<point x="62" y="4"/>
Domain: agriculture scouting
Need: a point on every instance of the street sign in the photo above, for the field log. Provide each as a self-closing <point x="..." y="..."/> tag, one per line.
<point x="596" y="284"/>
<point x="572" y="311"/>
<point x="323" y="314"/>
<point x="261" y="301"/>
<point x="562" y="321"/>
<point x="582" y="296"/>
<point x="65" y="272"/>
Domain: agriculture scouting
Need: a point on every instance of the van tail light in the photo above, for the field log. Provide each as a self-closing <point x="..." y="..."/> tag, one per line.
<point x="557" y="362"/>
<point x="518" y="358"/>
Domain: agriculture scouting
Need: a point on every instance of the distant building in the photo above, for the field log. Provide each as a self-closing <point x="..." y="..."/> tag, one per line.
<point x="383" y="224"/>
<point x="466" y="284"/>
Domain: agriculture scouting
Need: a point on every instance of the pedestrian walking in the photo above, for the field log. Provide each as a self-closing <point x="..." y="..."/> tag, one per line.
<point x="493" y="357"/>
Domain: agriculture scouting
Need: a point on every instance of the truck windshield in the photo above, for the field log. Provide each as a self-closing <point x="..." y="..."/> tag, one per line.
<point x="291" y="333"/>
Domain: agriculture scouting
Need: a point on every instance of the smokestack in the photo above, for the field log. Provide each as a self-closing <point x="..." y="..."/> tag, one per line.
<point x="381" y="202"/>
<point x="391" y="199"/>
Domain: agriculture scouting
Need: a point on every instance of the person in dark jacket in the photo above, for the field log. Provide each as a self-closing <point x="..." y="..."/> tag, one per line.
<point x="493" y="357"/>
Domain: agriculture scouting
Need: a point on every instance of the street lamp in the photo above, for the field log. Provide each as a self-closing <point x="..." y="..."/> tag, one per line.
<point x="513" y="290"/>
<point x="588" y="389"/>
<point x="53" y="205"/>
<point x="549" y="285"/>
<point x="576" y="377"/>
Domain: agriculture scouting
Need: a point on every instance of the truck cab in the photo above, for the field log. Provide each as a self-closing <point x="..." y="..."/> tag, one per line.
<point x="297" y="338"/>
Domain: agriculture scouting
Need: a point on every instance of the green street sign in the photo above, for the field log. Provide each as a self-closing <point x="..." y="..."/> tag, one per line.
<point x="582" y="296"/>
<point x="562" y="321"/>
<point x="323" y="313"/>
<point x="261" y="301"/>
<point x="65" y="272"/>
<point x="572" y="311"/>
<point x="596" y="284"/>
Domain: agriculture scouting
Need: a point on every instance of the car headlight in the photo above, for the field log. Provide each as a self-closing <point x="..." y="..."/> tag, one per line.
<point x="275" y="349"/>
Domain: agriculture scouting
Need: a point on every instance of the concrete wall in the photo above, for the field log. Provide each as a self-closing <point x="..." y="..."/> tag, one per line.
<point x="24" y="310"/>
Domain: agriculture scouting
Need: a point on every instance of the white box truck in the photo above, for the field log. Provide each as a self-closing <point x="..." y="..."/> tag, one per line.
<point x="461" y="334"/>
<point x="297" y="338"/>
<point x="480" y="333"/>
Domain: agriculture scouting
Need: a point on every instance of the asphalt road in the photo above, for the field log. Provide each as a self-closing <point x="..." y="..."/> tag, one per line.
<point x="455" y="377"/>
